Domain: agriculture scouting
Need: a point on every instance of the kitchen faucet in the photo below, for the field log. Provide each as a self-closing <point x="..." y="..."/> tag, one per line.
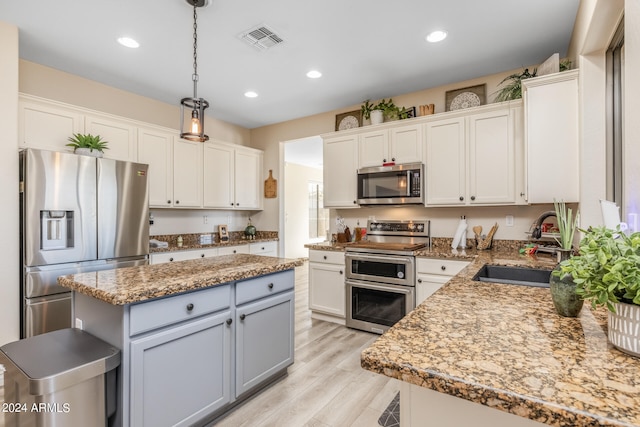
<point x="536" y="233"/>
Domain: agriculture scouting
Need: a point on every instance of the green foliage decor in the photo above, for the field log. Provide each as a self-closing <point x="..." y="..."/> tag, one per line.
<point x="388" y="108"/>
<point x="567" y="224"/>
<point x="607" y="269"/>
<point x="89" y="141"/>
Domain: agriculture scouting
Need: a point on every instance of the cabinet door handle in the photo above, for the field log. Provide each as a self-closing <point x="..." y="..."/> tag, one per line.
<point x="341" y="272"/>
<point x="237" y="204"/>
<point x="229" y="321"/>
<point x="461" y="198"/>
<point x="384" y="160"/>
<point x="231" y="203"/>
<point x="177" y="202"/>
<point x="521" y="194"/>
<point x="443" y="267"/>
<point x="242" y="316"/>
<point x="270" y="285"/>
<point x="473" y="197"/>
<point x="168" y="202"/>
<point x="190" y="307"/>
<point x="393" y="159"/>
<point x="355" y="202"/>
<point x="419" y="280"/>
<point x="171" y="259"/>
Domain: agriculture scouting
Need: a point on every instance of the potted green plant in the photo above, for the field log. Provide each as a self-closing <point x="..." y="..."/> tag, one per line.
<point x="606" y="272"/>
<point x="513" y="88"/>
<point x="383" y="111"/>
<point x="87" y="144"/>
<point x="563" y="289"/>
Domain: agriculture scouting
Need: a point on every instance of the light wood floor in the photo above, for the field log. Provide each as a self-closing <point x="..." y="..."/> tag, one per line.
<point x="325" y="387"/>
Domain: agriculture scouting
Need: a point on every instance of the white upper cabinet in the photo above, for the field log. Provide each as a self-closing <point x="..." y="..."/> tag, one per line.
<point x="187" y="173"/>
<point x="471" y="159"/>
<point x="47" y="125"/>
<point x="402" y="144"/>
<point x="551" y="137"/>
<point x="155" y="148"/>
<point x="232" y="176"/>
<point x="446" y="162"/>
<point x="121" y="136"/>
<point x="340" y="158"/>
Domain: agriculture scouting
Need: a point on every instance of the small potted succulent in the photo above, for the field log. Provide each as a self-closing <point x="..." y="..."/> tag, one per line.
<point x="607" y="273"/>
<point x="87" y="144"/>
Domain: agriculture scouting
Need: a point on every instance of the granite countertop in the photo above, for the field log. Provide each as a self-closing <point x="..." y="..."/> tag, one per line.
<point x="135" y="284"/>
<point x="505" y="347"/>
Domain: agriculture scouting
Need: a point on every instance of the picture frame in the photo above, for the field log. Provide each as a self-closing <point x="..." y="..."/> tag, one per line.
<point x="465" y="97"/>
<point x="349" y="120"/>
<point x="223" y="232"/>
<point x="411" y="112"/>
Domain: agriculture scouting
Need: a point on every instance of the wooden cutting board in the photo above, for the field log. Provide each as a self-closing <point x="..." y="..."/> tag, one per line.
<point x="270" y="186"/>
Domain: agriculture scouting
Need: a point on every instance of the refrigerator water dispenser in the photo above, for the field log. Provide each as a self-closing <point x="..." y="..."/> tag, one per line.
<point x="56" y="230"/>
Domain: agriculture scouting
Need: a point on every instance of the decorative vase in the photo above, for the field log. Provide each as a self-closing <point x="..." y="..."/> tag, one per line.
<point x="88" y="152"/>
<point x="563" y="291"/>
<point x="377" y="117"/>
<point x="623" y="327"/>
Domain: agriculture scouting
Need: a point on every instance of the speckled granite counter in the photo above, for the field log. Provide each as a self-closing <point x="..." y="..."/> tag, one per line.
<point x="134" y="284"/>
<point x="505" y="347"/>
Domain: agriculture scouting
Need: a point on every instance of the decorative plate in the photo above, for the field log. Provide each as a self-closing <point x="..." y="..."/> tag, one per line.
<point x="350" y="120"/>
<point x="465" y="100"/>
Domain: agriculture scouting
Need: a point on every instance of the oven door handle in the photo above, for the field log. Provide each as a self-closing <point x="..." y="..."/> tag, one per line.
<point x="384" y="258"/>
<point x="396" y="289"/>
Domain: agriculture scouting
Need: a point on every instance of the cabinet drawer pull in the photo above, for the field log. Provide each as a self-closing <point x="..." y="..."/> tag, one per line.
<point x="171" y="259"/>
<point x="443" y="267"/>
<point x="262" y="248"/>
<point x="341" y="272"/>
<point x="201" y="255"/>
<point x="325" y="257"/>
<point x="234" y="251"/>
<point x="419" y="280"/>
<point x="270" y="285"/>
<point x="229" y="321"/>
<point x="190" y="307"/>
<point x="242" y="316"/>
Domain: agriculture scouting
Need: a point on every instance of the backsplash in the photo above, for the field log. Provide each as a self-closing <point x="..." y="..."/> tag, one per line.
<point x="193" y="239"/>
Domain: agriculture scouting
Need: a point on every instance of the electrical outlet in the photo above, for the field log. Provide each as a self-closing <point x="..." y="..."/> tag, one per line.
<point x="509" y="221"/>
<point x="205" y="219"/>
<point x="78" y="323"/>
<point x="229" y="221"/>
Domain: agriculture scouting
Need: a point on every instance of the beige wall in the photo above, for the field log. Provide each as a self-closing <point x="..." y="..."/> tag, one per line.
<point x="632" y="108"/>
<point x="38" y="80"/>
<point x="9" y="226"/>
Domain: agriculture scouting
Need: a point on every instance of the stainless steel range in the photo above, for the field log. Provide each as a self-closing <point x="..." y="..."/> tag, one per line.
<point x="380" y="273"/>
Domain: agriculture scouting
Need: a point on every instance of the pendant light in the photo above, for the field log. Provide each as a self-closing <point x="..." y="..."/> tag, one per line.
<point x="193" y="130"/>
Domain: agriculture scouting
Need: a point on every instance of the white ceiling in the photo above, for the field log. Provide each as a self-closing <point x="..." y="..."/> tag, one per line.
<point x="366" y="49"/>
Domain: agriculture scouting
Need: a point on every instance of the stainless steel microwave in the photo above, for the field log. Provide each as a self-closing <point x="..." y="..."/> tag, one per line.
<point x="391" y="185"/>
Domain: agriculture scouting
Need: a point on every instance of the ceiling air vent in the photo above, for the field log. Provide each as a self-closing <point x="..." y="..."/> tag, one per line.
<point x="261" y="37"/>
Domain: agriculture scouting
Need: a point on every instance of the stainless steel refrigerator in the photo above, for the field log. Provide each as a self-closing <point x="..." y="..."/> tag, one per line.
<point x="77" y="214"/>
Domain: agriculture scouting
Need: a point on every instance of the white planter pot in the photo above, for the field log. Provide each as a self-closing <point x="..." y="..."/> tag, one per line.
<point x="88" y="152"/>
<point x="377" y="117"/>
<point x="624" y="328"/>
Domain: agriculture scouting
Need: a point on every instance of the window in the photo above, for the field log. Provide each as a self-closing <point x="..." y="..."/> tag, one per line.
<point x="318" y="215"/>
<point x="615" y="102"/>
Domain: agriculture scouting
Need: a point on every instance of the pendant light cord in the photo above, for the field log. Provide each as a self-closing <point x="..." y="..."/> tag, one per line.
<point x="195" y="50"/>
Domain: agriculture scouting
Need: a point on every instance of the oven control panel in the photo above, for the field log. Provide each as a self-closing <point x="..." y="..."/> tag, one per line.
<point x="398" y="227"/>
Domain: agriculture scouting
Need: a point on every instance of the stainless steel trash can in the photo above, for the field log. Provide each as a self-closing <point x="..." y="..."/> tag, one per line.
<point x="61" y="378"/>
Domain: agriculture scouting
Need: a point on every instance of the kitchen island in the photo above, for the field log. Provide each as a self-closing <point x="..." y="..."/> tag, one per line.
<point x="488" y="354"/>
<point x="196" y="337"/>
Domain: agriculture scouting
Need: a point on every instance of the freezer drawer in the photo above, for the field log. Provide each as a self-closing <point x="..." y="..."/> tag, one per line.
<point x="46" y="314"/>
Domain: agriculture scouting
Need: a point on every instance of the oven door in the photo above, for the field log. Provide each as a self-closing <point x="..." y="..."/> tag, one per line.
<point x="375" y="307"/>
<point x="398" y="270"/>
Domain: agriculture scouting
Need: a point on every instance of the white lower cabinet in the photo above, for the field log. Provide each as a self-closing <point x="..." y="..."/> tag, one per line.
<point x="264" y="248"/>
<point x="162" y="257"/>
<point x="327" y="292"/>
<point x="432" y="274"/>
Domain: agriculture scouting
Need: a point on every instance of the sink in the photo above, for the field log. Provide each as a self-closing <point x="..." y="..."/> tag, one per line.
<point x="513" y="275"/>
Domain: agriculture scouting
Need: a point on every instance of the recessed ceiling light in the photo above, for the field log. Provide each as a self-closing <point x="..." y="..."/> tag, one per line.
<point x="251" y="94"/>
<point x="314" y="74"/>
<point x="128" y="42"/>
<point x="436" y="36"/>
